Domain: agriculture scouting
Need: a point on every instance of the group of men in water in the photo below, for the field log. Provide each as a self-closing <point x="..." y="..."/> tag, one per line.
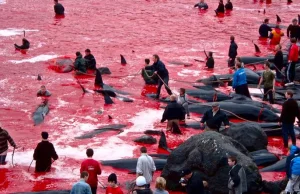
<point x="221" y="7"/>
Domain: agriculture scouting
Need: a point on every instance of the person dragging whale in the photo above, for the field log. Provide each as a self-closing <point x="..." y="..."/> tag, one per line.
<point x="268" y="78"/>
<point x="25" y="44"/>
<point x="79" y="63"/>
<point x="163" y="74"/>
<point x="4" y="138"/>
<point x="43" y="154"/>
<point x="93" y="168"/>
<point x="173" y="113"/>
<point x="214" y="118"/>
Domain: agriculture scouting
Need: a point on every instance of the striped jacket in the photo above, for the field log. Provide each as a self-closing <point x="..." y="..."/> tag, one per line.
<point x="4" y="137"/>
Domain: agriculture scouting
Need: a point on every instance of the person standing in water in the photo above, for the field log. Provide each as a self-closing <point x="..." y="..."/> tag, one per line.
<point x="210" y="63"/>
<point x="201" y="5"/>
<point x="228" y="5"/>
<point x="163" y="74"/>
<point x="293" y="31"/>
<point x="278" y="61"/>
<point x="58" y="8"/>
<point x="221" y="7"/>
<point x="232" y="52"/>
<point x="276" y="35"/>
<point x="25" y="44"/>
<point x="264" y="29"/>
<point x="90" y="60"/>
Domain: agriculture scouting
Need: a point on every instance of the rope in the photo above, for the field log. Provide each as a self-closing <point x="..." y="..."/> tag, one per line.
<point x="30" y="165"/>
<point x="12" y="157"/>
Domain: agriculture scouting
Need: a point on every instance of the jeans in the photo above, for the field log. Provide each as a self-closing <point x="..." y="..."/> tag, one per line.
<point x="268" y="92"/>
<point x="293" y="184"/>
<point x="186" y="107"/>
<point x="2" y="159"/>
<point x="288" y="129"/>
<point x="160" y="83"/>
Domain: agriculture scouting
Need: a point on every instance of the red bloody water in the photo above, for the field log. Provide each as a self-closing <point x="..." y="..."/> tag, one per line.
<point x="136" y="29"/>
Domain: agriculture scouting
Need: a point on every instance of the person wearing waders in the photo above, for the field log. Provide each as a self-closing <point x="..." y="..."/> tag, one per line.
<point x="4" y="138"/>
<point x="43" y="154"/>
<point x="162" y="73"/>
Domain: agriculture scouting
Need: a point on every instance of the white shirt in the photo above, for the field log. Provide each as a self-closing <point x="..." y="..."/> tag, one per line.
<point x="145" y="166"/>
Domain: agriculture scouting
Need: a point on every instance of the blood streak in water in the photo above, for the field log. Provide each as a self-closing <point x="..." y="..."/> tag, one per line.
<point x="172" y="29"/>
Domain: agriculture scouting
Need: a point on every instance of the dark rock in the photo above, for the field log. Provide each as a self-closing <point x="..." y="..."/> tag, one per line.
<point x="104" y="70"/>
<point x="208" y="152"/>
<point x="274" y="187"/>
<point x="249" y="134"/>
<point x="147" y="139"/>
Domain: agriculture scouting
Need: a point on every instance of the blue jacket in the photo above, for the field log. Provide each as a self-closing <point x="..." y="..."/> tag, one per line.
<point x="81" y="187"/>
<point x="161" y="69"/>
<point x="239" y="78"/>
<point x="293" y="162"/>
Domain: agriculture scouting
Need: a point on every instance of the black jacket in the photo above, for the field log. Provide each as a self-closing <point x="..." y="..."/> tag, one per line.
<point x="79" y="64"/>
<point x="160" y="68"/>
<point x="43" y="154"/>
<point x="293" y="31"/>
<point x="234" y="175"/>
<point x="264" y="30"/>
<point x="173" y="111"/>
<point x="59" y="9"/>
<point x="90" y="61"/>
<point x="4" y="138"/>
<point x="214" y="122"/>
<point x="229" y="6"/>
<point x="289" y="111"/>
<point x="278" y="60"/>
<point x="210" y="63"/>
<point x="195" y="184"/>
<point x="221" y="8"/>
<point x="232" y="50"/>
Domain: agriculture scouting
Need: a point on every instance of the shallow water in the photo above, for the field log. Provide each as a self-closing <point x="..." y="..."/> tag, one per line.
<point x="172" y="29"/>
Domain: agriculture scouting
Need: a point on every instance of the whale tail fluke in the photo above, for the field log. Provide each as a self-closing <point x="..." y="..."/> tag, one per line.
<point x="98" y="78"/>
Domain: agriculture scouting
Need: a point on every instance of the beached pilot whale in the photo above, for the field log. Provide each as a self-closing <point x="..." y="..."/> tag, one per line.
<point x="244" y="111"/>
<point x="252" y="78"/>
<point x="46" y="192"/>
<point x="40" y="113"/>
<point x="277" y="167"/>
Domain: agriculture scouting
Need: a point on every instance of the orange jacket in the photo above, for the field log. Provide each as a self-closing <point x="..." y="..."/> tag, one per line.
<point x="276" y="36"/>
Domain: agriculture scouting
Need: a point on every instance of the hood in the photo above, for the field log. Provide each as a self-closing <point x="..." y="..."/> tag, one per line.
<point x="277" y="30"/>
<point x="294" y="150"/>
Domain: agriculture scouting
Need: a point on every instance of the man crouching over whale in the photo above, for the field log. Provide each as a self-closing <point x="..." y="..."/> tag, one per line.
<point x="214" y="118"/>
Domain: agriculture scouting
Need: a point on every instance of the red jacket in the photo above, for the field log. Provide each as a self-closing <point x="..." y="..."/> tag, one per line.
<point x="110" y="190"/>
<point x="93" y="168"/>
<point x="293" y="54"/>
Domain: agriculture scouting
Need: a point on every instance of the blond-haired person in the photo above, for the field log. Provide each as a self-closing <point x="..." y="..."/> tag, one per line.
<point x="160" y="186"/>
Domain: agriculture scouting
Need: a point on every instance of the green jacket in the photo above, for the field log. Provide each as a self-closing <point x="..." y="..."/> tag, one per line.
<point x="79" y="64"/>
<point x="149" y="80"/>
